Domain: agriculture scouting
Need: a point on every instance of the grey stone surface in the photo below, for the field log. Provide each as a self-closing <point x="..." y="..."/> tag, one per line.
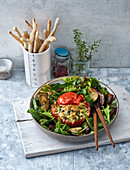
<point x="100" y="19"/>
<point x="11" y="151"/>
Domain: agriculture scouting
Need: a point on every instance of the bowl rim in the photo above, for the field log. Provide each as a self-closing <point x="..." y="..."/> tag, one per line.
<point x="70" y="136"/>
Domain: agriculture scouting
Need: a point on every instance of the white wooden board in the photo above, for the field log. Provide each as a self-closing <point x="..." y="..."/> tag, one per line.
<point x="36" y="143"/>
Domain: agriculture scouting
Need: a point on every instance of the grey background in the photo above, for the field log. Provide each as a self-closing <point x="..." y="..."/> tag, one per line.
<point x="108" y="20"/>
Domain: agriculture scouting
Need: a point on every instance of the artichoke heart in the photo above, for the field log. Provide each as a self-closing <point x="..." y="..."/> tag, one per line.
<point x="75" y="130"/>
<point x="44" y="101"/>
<point x="93" y="93"/>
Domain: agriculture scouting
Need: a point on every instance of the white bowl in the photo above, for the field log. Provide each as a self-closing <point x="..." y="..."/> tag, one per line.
<point x="6" y="66"/>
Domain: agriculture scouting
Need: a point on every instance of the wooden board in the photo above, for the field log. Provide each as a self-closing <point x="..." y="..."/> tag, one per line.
<point x="36" y="143"/>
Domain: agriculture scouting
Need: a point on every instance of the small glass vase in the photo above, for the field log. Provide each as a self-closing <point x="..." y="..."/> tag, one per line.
<point x="79" y="67"/>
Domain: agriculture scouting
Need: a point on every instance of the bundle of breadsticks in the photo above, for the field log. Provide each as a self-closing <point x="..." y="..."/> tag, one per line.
<point x="32" y="42"/>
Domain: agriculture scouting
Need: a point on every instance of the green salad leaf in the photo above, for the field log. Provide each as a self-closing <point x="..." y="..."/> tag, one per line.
<point x="61" y="128"/>
<point x="89" y="100"/>
<point x="46" y="121"/>
<point x="69" y="79"/>
<point x="46" y="88"/>
<point x="35" y="106"/>
<point x="89" y="121"/>
<point x="94" y="82"/>
<point x="46" y="114"/>
<point x="34" y="114"/>
<point x="57" y="86"/>
<point x="107" y="112"/>
<point x="114" y="103"/>
<point x="69" y="88"/>
<point x="64" y="132"/>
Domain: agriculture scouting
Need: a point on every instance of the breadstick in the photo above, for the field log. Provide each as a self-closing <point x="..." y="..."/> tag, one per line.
<point x="33" y="20"/>
<point x="45" y="34"/>
<point x="57" y="22"/>
<point x="31" y="39"/>
<point x="33" y="31"/>
<point x="37" y="42"/>
<point x="46" y="43"/>
<point x="25" y="46"/>
<point x="16" y="29"/>
<point x="29" y="24"/>
<point x="17" y="38"/>
<point x="26" y="34"/>
<point x="48" y="27"/>
<point x="25" y="41"/>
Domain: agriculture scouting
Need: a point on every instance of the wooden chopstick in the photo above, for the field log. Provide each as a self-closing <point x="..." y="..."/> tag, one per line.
<point x="95" y="129"/>
<point x="105" y="125"/>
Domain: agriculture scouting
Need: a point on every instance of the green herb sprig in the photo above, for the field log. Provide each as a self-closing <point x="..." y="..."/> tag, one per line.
<point x="86" y="51"/>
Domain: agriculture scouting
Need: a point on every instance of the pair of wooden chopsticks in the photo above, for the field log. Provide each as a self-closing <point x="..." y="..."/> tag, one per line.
<point x="103" y="123"/>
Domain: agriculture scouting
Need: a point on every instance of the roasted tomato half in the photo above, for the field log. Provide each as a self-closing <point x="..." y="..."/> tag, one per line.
<point x="70" y="108"/>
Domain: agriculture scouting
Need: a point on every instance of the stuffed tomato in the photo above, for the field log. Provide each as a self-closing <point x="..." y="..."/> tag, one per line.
<point x="70" y="108"/>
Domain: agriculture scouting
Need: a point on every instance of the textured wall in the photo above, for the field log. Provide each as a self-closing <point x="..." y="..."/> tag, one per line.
<point x="108" y="20"/>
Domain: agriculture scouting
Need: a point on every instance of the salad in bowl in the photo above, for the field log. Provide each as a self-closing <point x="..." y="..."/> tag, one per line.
<point x="63" y="107"/>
